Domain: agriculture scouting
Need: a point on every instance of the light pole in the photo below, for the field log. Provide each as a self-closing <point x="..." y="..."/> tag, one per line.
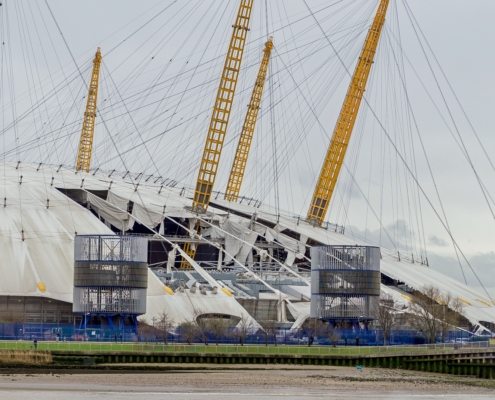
<point x="85" y="324"/>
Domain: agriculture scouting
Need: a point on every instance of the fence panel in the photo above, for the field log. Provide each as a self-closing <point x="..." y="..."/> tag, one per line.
<point x="68" y="337"/>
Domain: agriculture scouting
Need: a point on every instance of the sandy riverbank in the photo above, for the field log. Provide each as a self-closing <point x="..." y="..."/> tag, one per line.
<point x="295" y="382"/>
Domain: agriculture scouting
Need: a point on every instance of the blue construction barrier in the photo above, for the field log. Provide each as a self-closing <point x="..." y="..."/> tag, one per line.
<point x="69" y="332"/>
<point x="64" y="332"/>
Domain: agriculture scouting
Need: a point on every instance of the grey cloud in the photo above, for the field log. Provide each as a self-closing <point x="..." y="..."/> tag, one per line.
<point x="394" y="237"/>
<point x="483" y="265"/>
<point x="434" y="240"/>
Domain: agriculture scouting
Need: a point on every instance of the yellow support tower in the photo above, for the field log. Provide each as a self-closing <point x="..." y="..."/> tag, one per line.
<point x="221" y="110"/>
<point x="83" y="162"/>
<point x="220" y="117"/>
<point x="244" y="145"/>
<point x="345" y="124"/>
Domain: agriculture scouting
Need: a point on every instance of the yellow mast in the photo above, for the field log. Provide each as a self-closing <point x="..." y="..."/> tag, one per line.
<point x="220" y="117"/>
<point x="83" y="162"/>
<point x="345" y="124"/>
<point x="244" y="145"/>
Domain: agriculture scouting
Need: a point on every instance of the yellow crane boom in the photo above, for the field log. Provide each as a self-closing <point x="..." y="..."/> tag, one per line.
<point x="220" y="117"/>
<point x="345" y="124"/>
<point x="244" y="145"/>
<point x="83" y="162"/>
<point x="221" y="110"/>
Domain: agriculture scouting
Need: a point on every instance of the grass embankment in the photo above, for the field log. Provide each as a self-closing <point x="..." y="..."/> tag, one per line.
<point x="25" y="357"/>
<point x="221" y="349"/>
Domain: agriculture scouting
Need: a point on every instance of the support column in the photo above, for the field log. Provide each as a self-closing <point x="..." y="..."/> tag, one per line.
<point x="220" y="259"/>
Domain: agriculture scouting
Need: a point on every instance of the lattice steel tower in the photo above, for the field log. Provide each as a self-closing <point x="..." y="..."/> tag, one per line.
<point x="83" y="162"/>
<point x="110" y="277"/>
<point x="345" y="282"/>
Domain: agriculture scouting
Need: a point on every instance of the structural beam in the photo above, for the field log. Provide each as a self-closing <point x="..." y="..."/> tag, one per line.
<point x="220" y="117"/>
<point x="221" y="110"/>
<point x="345" y="124"/>
<point x="244" y="146"/>
<point x="83" y="162"/>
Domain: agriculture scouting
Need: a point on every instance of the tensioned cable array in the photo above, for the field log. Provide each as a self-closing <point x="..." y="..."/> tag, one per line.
<point x="156" y="110"/>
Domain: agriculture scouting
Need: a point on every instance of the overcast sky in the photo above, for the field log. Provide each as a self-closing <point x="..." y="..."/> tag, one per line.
<point x="188" y="39"/>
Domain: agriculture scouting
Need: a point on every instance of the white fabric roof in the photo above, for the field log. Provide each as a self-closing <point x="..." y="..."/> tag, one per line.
<point x="46" y="253"/>
<point x="477" y="306"/>
<point x="37" y="239"/>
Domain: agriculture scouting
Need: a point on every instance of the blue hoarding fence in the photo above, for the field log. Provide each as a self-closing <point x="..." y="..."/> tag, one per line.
<point x="68" y="332"/>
